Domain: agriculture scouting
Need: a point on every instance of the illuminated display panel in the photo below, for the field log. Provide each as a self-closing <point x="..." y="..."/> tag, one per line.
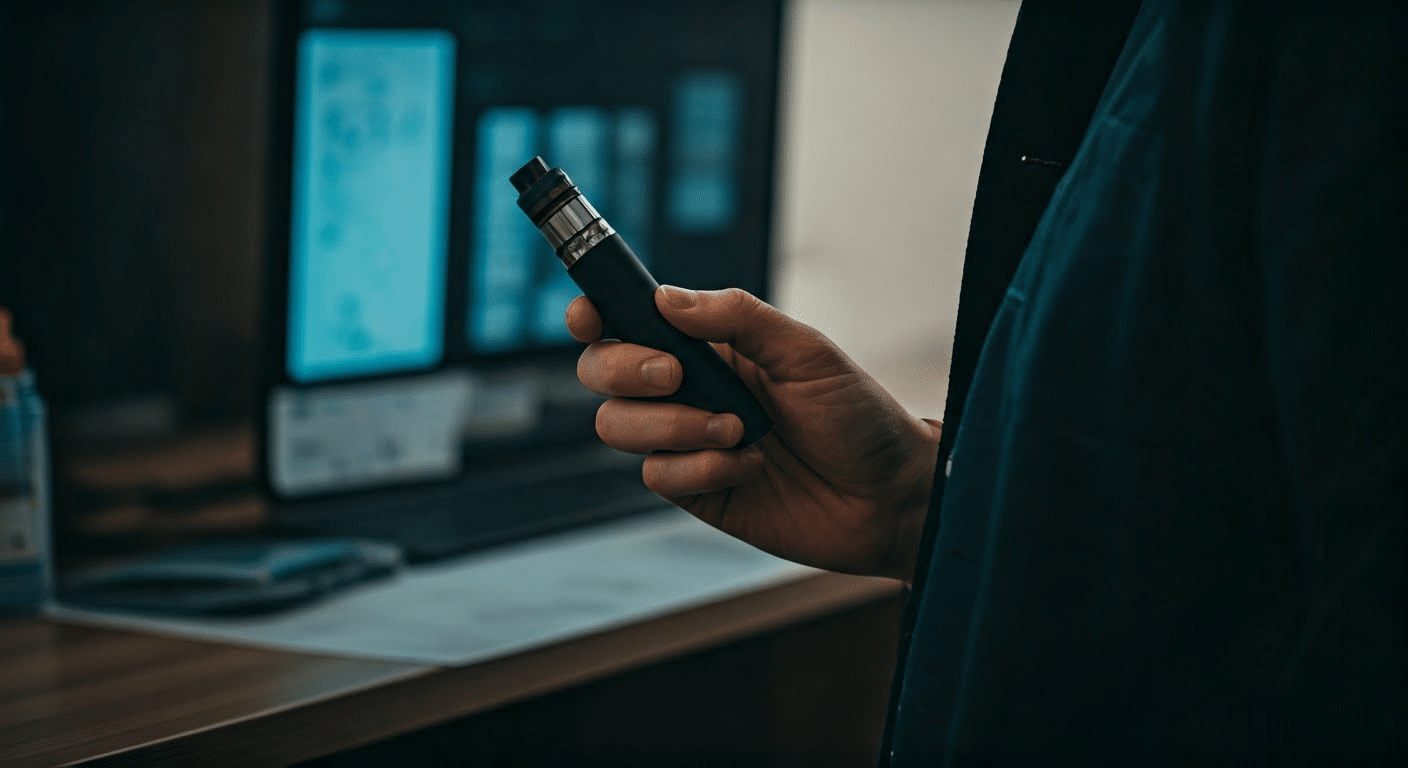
<point x="370" y="202"/>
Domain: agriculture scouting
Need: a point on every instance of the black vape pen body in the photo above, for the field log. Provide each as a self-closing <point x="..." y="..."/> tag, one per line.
<point x="609" y="274"/>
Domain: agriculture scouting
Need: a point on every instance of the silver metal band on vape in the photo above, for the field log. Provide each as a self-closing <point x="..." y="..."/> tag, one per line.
<point x="574" y="229"/>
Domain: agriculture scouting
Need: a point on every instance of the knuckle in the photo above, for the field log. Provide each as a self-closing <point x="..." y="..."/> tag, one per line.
<point x="652" y="474"/>
<point x="589" y="370"/>
<point x="742" y="305"/>
<point x="600" y="366"/>
<point x="622" y="372"/>
<point x="713" y="465"/>
<point x="584" y="367"/>
<point x="672" y="420"/>
<point x="604" y="427"/>
<point x="734" y="299"/>
<point x="608" y="423"/>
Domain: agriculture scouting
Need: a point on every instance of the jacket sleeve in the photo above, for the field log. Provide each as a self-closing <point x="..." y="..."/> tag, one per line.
<point x="1333" y="253"/>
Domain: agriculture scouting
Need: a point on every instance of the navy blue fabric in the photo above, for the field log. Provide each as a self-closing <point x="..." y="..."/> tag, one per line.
<point x="1175" y="521"/>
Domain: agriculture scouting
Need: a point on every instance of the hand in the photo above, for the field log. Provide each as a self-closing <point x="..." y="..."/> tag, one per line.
<point x="842" y="482"/>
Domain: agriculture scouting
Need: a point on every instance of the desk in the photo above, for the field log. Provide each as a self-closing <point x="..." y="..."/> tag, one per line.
<point x="71" y="694"/>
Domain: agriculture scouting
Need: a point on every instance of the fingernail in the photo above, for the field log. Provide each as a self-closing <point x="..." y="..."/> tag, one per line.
<point x="679" y="298"/>
<point x="720" y="430"/>
<point x="657" y="373"/>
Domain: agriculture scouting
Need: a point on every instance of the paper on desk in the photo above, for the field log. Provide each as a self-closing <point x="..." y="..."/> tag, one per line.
<point x="503" y="601"/>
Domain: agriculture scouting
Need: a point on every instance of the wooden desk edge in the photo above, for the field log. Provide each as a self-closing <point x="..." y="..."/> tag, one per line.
<point x="426" y="696"/>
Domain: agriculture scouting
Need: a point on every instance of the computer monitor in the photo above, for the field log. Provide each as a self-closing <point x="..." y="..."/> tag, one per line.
<point x="413" y="316"/>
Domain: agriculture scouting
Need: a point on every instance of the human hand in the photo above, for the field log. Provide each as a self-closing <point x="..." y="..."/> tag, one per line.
<point x="841" y="482"/>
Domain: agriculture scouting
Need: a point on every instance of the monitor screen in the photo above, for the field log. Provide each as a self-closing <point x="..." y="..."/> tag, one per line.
<point x="370" y="210"/>
<point x="403" y="278"/>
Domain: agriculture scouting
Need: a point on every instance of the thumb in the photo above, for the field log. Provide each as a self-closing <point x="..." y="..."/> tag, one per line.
<point x="754" y="328"/>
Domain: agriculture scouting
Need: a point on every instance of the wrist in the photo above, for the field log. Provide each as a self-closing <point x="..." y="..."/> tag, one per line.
<point x="913" y="505"/>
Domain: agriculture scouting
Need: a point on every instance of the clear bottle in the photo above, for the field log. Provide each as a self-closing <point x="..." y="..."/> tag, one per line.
<point x="25" y="562"/>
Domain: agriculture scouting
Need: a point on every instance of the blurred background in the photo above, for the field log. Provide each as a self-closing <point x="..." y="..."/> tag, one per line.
<point x="140" y="144"/>
<point x="887" y="98"/>
<point x="137" y="130"/>
<point x="136" y="170"/>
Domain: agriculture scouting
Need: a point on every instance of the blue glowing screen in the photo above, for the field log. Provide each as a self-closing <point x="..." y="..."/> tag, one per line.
<point x="518" y="289"/>
<point x="703" y="187"/>
<point x="372" y="159"/>
<point x="370" y="208"/>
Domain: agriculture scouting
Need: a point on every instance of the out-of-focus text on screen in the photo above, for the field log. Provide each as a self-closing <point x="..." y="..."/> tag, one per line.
<point x="370" y="213"/>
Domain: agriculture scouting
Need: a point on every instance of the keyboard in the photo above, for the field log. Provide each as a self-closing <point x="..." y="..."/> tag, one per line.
<point x="435" y="522"/>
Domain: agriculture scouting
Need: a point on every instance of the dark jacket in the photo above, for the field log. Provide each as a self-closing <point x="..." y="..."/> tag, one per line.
<point x="1169" y="520"/>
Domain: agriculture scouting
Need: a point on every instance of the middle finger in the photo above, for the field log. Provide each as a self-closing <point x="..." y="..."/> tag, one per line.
<point x="643" y="427"/>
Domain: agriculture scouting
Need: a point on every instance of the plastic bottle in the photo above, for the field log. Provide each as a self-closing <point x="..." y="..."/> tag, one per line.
<point x="25" y="562"/>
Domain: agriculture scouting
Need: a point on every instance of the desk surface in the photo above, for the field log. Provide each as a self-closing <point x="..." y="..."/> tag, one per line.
<point x="70" y="694"/>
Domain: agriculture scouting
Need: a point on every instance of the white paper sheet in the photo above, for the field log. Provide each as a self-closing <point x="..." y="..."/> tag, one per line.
<point x="503" y="601"/>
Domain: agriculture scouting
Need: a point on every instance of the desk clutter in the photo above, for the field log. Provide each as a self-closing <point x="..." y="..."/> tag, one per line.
<point x="240" y="576"/>
<point x="502" y="601"/>
<point x="461" y="610"/>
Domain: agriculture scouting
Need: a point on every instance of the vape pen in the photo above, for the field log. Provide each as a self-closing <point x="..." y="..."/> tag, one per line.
<point x="606" y="270"/>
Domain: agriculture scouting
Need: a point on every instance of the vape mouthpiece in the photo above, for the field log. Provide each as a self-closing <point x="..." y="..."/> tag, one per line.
<point x="543" y="191"/>
<point x="524" y="178"/>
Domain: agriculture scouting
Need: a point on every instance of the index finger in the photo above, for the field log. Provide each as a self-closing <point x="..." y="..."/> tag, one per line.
<point x="583" y="322"/>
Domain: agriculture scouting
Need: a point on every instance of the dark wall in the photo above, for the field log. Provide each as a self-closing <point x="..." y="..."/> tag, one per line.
<point x="134" y="152"/>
